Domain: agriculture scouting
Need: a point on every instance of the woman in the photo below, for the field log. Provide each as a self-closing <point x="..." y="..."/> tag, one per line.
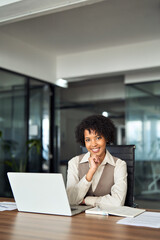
<point x="96" y="178"/>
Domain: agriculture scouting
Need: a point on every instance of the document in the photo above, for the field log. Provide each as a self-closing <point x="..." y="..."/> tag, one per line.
<point x="146" y="219"/>
<point x="7" y="206"/>
<point x="122" y="211"/>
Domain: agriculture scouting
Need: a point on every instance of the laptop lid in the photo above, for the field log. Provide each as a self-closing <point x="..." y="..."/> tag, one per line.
<point x="40" y="193"/>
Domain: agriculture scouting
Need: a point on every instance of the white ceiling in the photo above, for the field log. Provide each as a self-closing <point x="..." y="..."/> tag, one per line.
<point x="16" y="10"/>
<point x="85" y="26"/>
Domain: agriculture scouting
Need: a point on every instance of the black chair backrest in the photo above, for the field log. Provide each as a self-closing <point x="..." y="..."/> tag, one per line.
<point x="126" y="153"/>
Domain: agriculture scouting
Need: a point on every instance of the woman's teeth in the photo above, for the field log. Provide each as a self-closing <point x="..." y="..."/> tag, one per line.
<point x="95" y="150"/>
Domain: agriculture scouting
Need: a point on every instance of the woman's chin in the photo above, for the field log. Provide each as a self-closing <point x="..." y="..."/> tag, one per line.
<point x="97" y="153"/>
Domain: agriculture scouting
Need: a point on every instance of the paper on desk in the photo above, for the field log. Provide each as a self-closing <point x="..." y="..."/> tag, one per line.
<point x="146" y="219"/>
<point x="7" y="206"/>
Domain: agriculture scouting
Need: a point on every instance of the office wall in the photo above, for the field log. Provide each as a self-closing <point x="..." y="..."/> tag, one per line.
<point x="23" y="58"/>
<point x="100" y="89"/>
<point x="148" y="75"/>
<point x="117" y="59"/>
<point x="26" y="59"/>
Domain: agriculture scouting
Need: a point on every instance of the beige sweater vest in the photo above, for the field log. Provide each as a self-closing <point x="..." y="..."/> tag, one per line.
<point x="106" y="180"/>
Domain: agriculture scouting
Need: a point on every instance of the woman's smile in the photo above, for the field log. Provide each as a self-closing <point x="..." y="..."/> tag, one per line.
<point x="95" y="150"/>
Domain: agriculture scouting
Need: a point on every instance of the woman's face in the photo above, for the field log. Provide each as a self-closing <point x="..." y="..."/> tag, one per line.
<point x="95" y="143"/>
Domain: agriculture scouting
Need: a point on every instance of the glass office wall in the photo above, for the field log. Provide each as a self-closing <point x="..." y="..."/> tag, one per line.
<point x="26" y="126"/>
<point x="12" y="126"/>
<point x="39" y="126"/>
<point x="143" y="130"/>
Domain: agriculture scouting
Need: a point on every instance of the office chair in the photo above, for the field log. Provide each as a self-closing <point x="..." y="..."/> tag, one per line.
<point x="126" y="153"/>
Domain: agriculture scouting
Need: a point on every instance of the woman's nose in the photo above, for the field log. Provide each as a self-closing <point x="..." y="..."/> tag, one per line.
<point x="93" y="142"/>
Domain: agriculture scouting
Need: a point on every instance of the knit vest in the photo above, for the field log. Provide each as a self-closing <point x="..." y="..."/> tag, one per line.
<point x="106" y="180"/>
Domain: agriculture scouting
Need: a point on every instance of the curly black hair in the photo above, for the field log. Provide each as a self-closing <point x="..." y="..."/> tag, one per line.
<point x="100" y="124"/>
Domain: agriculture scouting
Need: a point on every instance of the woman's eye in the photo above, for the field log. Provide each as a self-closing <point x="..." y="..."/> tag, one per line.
<point x="87" y="140"/>
<point x="98" y="138"/>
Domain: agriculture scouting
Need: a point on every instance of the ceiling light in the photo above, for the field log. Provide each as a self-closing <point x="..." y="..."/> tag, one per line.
<point x="62" y="82"/>
<point x="105" y="114"/>
<point x="7" y="2"/>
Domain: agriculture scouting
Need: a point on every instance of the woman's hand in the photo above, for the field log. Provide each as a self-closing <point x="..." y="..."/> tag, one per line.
<point x="94" y="162"/>
<point x="83" y="202"/>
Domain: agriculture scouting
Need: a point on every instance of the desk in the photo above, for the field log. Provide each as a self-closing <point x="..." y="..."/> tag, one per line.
<point x="16" y="225"/>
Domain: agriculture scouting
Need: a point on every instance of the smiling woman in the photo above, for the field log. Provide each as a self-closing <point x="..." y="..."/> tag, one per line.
<point x="96" y="178"/>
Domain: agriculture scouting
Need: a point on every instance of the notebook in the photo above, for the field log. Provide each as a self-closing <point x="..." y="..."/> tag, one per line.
<point x="42" y="193"/>
<point x="122" y="211"/>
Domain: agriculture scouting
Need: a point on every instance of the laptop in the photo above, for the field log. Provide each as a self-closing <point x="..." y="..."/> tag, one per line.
<point x="42" y="193"/>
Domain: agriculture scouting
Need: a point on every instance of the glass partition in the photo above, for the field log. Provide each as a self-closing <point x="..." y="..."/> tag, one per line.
<point x="39" y="126"/>
<point x="143" y="130"/>
<point x="13" y="128"/>
<point x="26" y="126"/>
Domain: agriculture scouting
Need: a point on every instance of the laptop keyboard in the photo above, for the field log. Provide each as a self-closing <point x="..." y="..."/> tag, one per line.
<point x="73" y="208"/>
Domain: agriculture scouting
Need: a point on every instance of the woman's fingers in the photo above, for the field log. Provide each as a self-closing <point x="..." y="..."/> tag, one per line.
<point x="96" y="159"/>
<point x="94" y="162"/>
